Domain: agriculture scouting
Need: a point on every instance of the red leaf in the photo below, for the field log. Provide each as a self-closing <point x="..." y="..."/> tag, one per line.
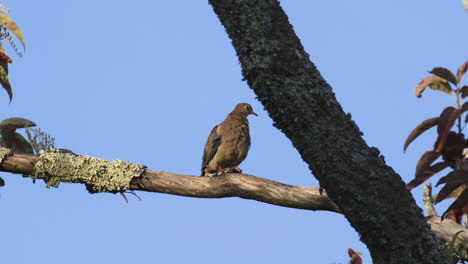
<point x="422" y="172"/>
<point x="5" y="57"/>
<point x="453" y="149"/>
<point x="446" y="122"/>
<point x="435" y="82"/>
<point x="355" y="258"/>
<point x="438" y="167"/>
<point x="4" y="78"/>
<point x="461" y="71"/>
<point x="444" y="74"/>
<point x="421" y="128"/>
<point x="459" y="208"/>
<point x="464" y="91"/>
<point x="452" y="181"/>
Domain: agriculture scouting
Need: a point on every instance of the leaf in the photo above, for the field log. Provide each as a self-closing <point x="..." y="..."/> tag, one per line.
<point x="453" y="149"/>
<point x="355" y="257"/>
<point x="459" y="207"/>
<point x="451" y="246"/>
<point x="464" y="107"/>
<point x="24" y="146"/>
<point x="5" y="82"/>
<point x="17" y="143"/>
<point x="435" y="82"/>
<point x="421" y="128"/>
<point x="9" y="24"/>
<point x="422" y="173"/>
<point x="464" y="91"/>
<point x="461" y="71"/>
<point x="438" y="167"/>
<point x="16" y="122"/>
<point x="444" y="74"/>
<point x="429" y="172"/>
<point x="446" y="122"/>
<point x="452" y="181"/>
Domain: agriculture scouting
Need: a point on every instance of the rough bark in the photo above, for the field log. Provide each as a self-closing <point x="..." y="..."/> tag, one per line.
<point x="230" y="185"/>
<point x="371" y="195"/>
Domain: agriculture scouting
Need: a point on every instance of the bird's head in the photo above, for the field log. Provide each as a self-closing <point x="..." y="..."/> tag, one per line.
<point x="244" y="109"/>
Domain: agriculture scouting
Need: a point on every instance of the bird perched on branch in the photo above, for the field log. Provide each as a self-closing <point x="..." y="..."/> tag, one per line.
<point x="228" y="143"/>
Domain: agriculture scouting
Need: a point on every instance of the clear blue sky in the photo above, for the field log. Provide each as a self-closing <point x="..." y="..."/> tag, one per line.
<point x="145" y="81"/>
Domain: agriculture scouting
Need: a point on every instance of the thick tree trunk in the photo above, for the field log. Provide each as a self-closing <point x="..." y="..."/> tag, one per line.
<point x="371" y="195"/>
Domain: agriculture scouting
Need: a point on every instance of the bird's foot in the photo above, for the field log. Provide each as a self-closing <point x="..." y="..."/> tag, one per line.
<point x="237" y="170"/>
<point x="229" y="170"/>
<point x="211" y="174"/>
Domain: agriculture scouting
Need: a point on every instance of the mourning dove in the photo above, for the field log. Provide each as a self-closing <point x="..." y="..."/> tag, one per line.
<point x="228" y="143"/>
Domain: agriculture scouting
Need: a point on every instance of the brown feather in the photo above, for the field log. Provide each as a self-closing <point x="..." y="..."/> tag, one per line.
<point x="229" y="142"/>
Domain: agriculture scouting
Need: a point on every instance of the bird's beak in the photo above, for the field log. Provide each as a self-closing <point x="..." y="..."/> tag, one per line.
<point x="253" y="113"/>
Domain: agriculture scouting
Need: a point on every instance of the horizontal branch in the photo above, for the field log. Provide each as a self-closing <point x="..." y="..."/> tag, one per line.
<point x="231" y="185"/>
<point x="235" y="185"/>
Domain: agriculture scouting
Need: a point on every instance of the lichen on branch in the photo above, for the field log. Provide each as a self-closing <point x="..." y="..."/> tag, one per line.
<point x="98" y="175"/>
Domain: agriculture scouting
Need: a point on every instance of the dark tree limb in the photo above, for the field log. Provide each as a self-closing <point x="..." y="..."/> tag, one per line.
<point x="371" y="195"/>
<point x="230" y="185"/>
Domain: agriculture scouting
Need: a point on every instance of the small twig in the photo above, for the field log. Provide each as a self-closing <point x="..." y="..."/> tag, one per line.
<point x="124" y="196"/>
<point x="428" y="200"/>
<point x="132" y="192"/>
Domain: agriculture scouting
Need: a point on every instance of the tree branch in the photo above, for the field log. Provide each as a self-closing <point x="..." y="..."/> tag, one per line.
<point x="428" y="201"/>
<point x="231" y="185"/>
<point x="446" y="229"/>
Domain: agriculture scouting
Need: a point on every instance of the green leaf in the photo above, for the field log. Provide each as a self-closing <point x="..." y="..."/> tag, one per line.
<point x="25" y="146"/>
<point x="17" y="143"/>
<point x="16" y="122"/>
<point x="451" y="246"/>
<point x="445" y="74"/>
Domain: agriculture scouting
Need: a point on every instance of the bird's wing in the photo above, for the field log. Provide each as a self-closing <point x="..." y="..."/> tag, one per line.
<point x="211" y="147"/>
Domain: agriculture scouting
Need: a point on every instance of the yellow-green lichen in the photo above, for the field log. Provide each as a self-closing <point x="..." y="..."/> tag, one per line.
<point x="4" y="152"/>
<point x="99" y="175"/>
